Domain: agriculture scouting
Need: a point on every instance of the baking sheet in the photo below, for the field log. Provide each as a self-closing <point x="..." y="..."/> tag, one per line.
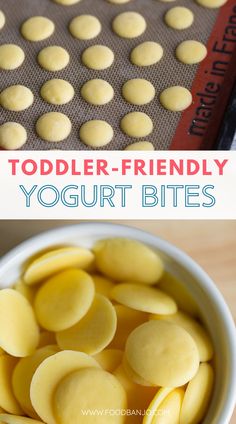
<point x="166" y="73"/>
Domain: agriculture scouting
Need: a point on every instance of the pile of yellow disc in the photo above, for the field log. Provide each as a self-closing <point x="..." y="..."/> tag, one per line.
<point x="97" y="336"/>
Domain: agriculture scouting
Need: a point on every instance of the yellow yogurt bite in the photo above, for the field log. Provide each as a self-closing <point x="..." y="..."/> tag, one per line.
<point x="96" y="133"/>
<point x="85" y="27"/>
<point x="212" y="4"/>
<point x="76" y="288"/>
<point x="66" y="2"/>
<point x="94" y="331"/>
<point x="2" y="19"/>
<point x="96" y="389"/>
<point x="57" y="92"/>
<point x="143" y="298"/>
<point x="138" y="91"/>
<point x="55" y="261"/>
<point x="97" y="92"/>
<point x="141" y="145"/>
<point x="156" y="401"/>
<point x="137" y="124"/>
<point x="37" y="28"/>
<point x="98" y="57"/>
<point x="191" y="52"/>
<point x="179" y="18"/>
<point x="146" y="54"/>
<point x="16" y="98"/>
<point x="11" y="56"/>
<point x="125" y="259"/>
<point x="17" y="314"/>
<point x="53" y="58"/>
<point x="129" y="25"/>
<point x="176" y="99"/>
<point x="155" y="352"/>
<point x="169" y="410"/>
<point x="16" y="419"/>
<point x="7" y="398"/>
<point x="53" y="127"/>
<point x="197" y="396"/>
<point x="12" y="136"/>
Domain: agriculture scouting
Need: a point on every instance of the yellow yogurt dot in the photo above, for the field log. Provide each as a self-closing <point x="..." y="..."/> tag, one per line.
<point x="2" y="19"/>
<point x="19" y="333"/>
<point x="191" y="52"/>
<point x="169" y="410"/>
<point x="85" y="27"/>
<point x="211" y="3"/>
<point x="11" y="56"/>
<point x="138" y="91"/>
<point x="57" y="92"/>
<point x="179" y="18"/>
<point x="53" y="58"/>
<point x="94" y="388"/>
<point x="97" y="92"/>
<point x="94" y="331"/>
<point x="53" y="127"/>
<point x="159" y="397"/>
<point x="155" y="352"/>
<point x="64" y="299"/>
<point x="98" y="57"/>
<point x="12" y="136"/>
<point x="146" y="54"/>
<point x="55" y="261"/>
<point x="96" y="133"/>
<point x="124" y="259"/>
<point x="16" y="98"/>
<point x="7" y="399"/>
<point x="129" y="25"/>
<point x="141" y="145"/>
<point x="137" y="124"/>
<point x="176" y="99"/>
<point x="37" y="28"/>
<point x="143" y="298"/>
<point x="197" y="396"/>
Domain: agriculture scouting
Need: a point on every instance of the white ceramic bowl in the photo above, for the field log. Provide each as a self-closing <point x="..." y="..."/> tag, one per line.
<point x="212" y="307"/>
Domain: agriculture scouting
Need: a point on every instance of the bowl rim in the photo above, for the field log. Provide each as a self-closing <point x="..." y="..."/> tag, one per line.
<point x="169" y="249"/>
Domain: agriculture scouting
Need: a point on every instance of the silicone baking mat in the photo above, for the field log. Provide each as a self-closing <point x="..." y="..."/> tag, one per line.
<point x="196" y="128"/>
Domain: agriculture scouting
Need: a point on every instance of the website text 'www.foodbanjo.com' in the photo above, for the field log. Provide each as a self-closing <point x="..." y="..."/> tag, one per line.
<point x="124" y="412"/>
